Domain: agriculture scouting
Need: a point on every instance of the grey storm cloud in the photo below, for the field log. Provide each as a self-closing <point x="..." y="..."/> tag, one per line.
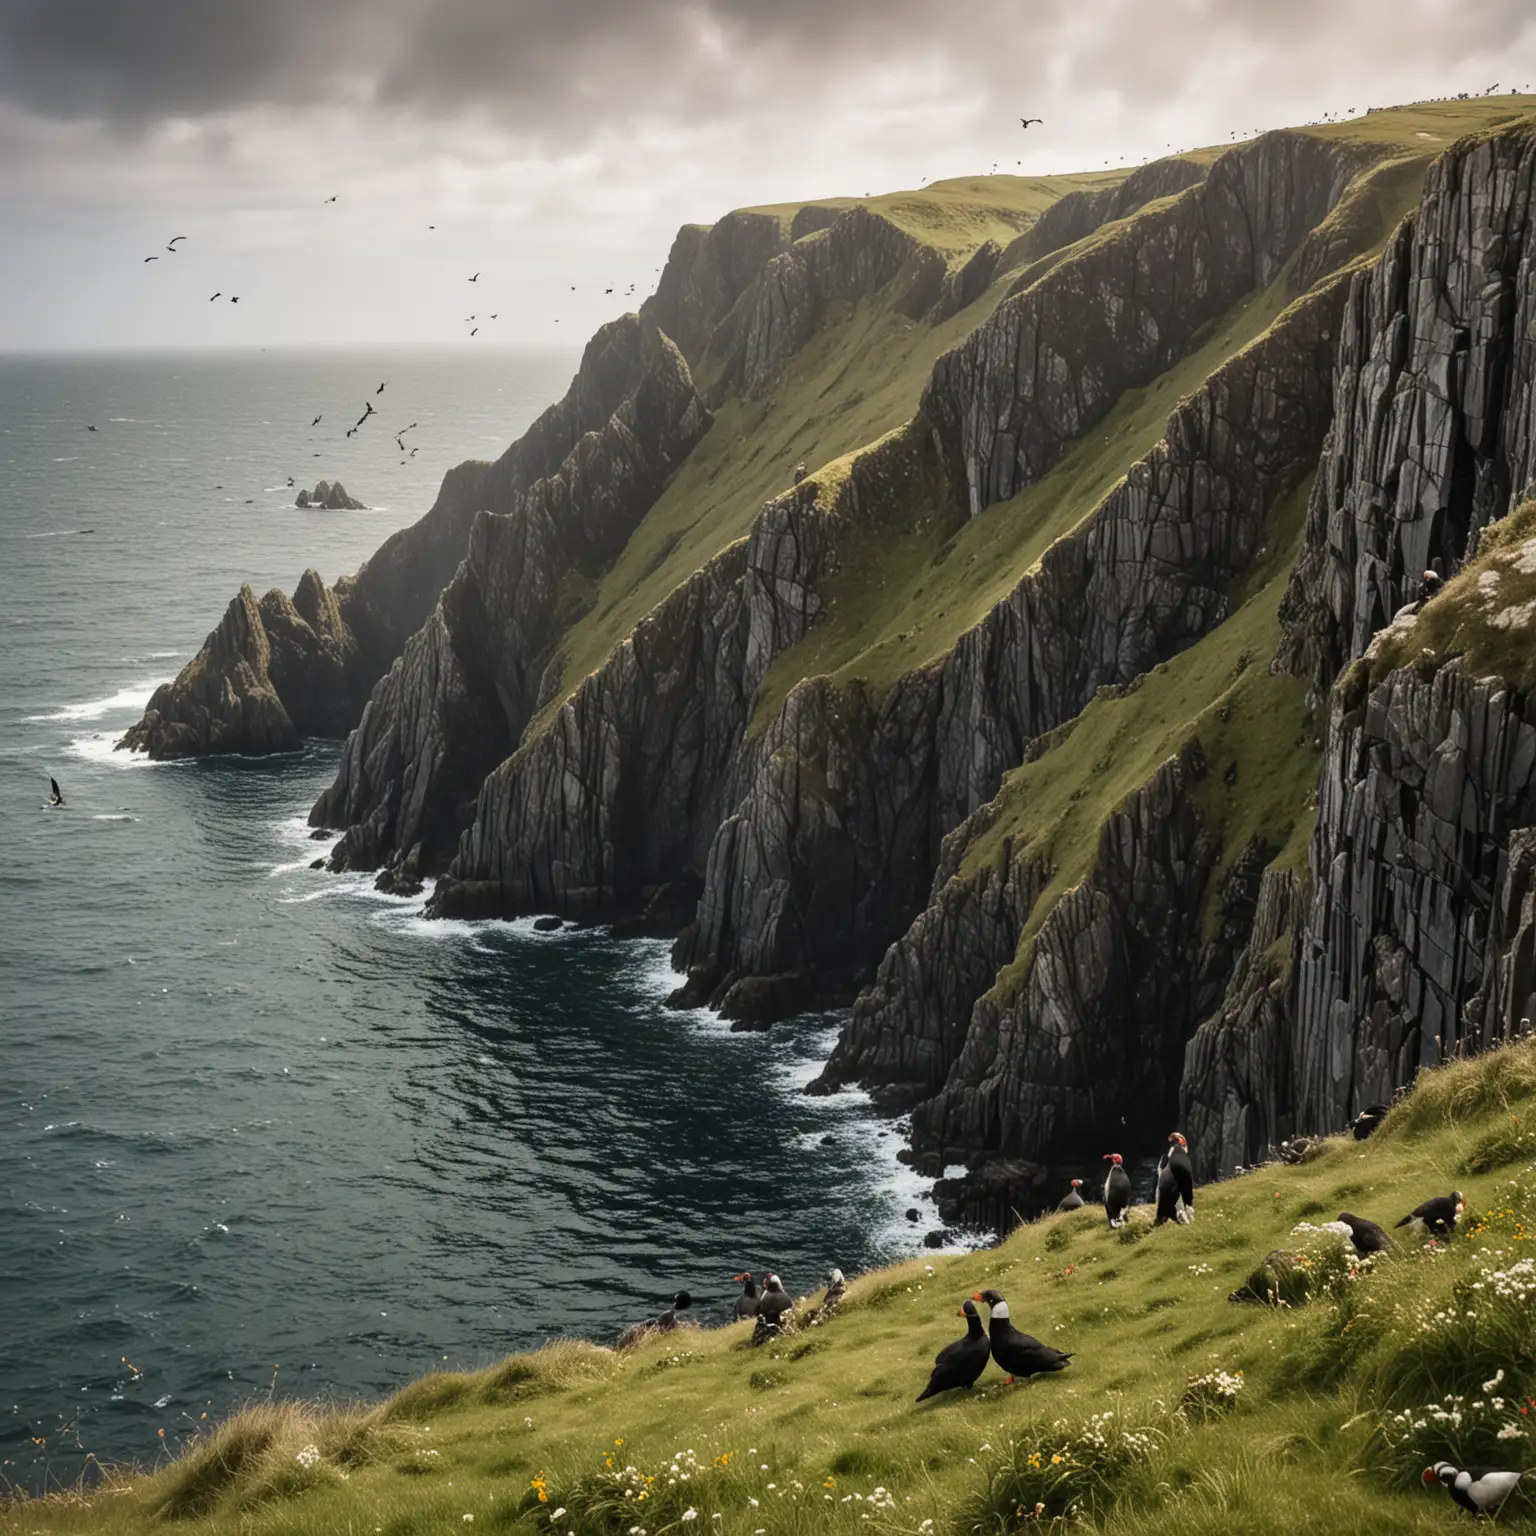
<point x="535" y="63"/>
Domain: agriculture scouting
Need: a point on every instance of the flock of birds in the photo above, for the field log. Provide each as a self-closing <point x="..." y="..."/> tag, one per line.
<point x="958" y="1366"/>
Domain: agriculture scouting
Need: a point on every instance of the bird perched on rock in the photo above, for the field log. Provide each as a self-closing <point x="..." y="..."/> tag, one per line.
<point x="799" y="473"/>
<point x="1020" y="1354"/>
<point x="1072" y="1201"/>
<point x="1367" y="1121"/>
<point x="960" y="1363"/>
<point x="1483" y="1490"/>
<point x="1366" y="1236"/>
<point x="773" y="1309"/>
<point x="664" y="1322"/>
<point x="746" y="1303"/>
<point x="1175" y="1183"/>
<point x="1437" y="1216"/>
<point x="1117" y="1190"/>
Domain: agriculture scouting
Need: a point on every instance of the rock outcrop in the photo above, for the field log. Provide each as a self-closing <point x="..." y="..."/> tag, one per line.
<point x="329" y="496"/>
<point x="456" y="702"/>
<point x="224" y="701"/>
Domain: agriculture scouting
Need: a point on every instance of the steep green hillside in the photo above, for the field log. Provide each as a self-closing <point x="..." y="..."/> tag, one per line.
<point x="1181" y="1410"/>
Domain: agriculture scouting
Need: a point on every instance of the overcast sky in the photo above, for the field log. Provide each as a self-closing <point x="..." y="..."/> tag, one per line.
<point x="561" y="142"/>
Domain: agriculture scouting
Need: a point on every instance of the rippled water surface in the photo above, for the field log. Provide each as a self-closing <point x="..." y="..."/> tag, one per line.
<point x="256" y="1118"/>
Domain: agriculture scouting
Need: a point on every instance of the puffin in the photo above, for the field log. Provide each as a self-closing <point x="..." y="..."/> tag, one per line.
<point x="837" y="1288"/>
<point x="1020" y="1354"/>
<point x="1483" y="1490"/>
<point x="773" y="1307"/>
<point x="746" y="1303"/>
<point x="960" y="1363"/>
<point x="1367" y="1237"/>
<point x="1117" y="1190"/>
<point x="1175" y="1183"/>
<point x="1437" y="1216"/>
<point x="1368" y="1120"/>
<point x="665" y="1322"/>
<point x="1072" y="1201"/>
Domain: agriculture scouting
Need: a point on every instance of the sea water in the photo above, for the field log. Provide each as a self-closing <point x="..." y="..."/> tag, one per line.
<point x="259" y="1123"/>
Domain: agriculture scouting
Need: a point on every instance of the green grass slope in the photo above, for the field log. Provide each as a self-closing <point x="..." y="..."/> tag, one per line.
<point x="1181" y="1410"/>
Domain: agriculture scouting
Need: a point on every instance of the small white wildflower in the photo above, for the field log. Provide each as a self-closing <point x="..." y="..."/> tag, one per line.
<point x="559" y="1513"/>
<point x="469" y="1519"/>
<point x="753" y="1503"/>
<point x="1498" y="1376"/>
<point x="309" y="1456"/>
<point x="689" y="1514"/>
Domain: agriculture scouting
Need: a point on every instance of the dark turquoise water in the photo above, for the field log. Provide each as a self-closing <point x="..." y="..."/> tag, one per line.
<point x="255" y="1118"/>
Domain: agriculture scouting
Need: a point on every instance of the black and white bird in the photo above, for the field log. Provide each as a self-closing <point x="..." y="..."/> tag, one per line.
<point x="1366" y="1236"/>
<point x="663" y="1322"/>
<point x="837" y="1288"/>
<point x="1175" y="1183"/>
<point x="1072" y="1201"/>
<point x="1437" y="1216"/>
<point x="1117" y="1190"/>
<point x="1483" y="1490"/>
<point x="57" y="797"/>
<point x="773" y="1309"/>
<point x="1020" y="1354"/>
<point x="746" y="1303"/>
<point x="1368" y="1120"/>
<point x="960" y="1363"/>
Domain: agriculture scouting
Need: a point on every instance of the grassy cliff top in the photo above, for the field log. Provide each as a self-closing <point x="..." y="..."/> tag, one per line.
<point x="1181" y="1410"/>
<point x="1486" y="616"/>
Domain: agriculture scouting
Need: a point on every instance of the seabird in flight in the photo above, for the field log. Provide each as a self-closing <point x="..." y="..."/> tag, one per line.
<point x="1024" y="122"/>
<point x="218" y="295"/>
<point x="172" y="245"/>
<point x="57" y="797"/>
<point x="315" y="422"/>
<point x="475" y="278"/>
<point x="151" y="258"/>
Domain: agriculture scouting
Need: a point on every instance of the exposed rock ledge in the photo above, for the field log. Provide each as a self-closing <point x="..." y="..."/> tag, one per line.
<point x="330" y="496"/>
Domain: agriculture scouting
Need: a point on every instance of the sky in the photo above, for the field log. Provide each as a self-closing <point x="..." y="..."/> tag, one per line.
<point x="559" y="144"/>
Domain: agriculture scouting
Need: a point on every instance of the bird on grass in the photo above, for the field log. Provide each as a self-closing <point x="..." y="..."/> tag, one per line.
<point x="1072" y="1201"/>
<point x="746" y="1303"/>
<point x="1437" y="1216"/>
<point x="1366" y="1236"/>
<point x="1117" y="1190"/>
<point x="663" y="1322"/>
<point x="959" y="1364"/>
<point x="773" y="1309"/>
<point x="837" y="1288"/>
<point x="1175" y="1183"/>
<point x="1020" y="1354"/>
<point x="1367" y="1121"/>
<point x="1483" y="1490"/>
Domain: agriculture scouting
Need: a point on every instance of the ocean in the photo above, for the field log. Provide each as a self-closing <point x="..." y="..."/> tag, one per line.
<point x="261" y="1128"/>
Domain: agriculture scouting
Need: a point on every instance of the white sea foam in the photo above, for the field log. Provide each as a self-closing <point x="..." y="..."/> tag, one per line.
<point x="101" y="747"/>
<point x="117" y="817"/>
<point x="132" y="698"/>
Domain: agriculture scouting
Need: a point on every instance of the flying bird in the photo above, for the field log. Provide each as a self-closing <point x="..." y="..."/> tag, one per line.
<point x="172" y="245"/>
<point x="331" y="198"/>
<point x="476" y="331"/>
<point x="380" y="389"/>
<point x="151" y="258"/>
<point x="234" y="298"/>
<point x="315" y="422"/>
<point x="57" y="797"/>
<point x="218" y="295"/>
<point x="960" y="1363"/>
<point x="475" y="278"/>
<point x="1024" y="122"/>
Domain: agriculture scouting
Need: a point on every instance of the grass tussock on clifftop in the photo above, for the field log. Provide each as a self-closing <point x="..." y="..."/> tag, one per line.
<point x="1181" y="1410"/>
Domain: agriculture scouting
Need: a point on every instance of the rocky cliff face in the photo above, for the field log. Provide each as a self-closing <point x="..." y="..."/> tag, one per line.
<point x="1435" y="416"/>
<point x="456" y="702"/>
<point x="1054" y="358"/>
